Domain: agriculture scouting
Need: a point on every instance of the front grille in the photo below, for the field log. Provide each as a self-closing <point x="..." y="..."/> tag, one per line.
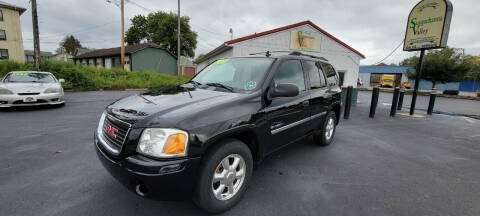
<point x="28" y="93"/>
<point x="120" y="131"/>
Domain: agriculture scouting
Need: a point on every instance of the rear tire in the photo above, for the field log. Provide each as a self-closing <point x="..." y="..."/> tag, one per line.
<point x="226" y="163"/>
<point x="327" y="131"/>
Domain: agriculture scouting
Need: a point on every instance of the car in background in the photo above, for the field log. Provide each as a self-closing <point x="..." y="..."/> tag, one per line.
<point x="406" y="85"/>
<point x="387" y="81"/>
<point x="28" y="88"/>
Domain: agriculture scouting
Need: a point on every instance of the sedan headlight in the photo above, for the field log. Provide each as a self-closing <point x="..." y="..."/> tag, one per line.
<point x="52" y="90"/>
<point x="4" y="91"/>
<point x="163" y="142"/>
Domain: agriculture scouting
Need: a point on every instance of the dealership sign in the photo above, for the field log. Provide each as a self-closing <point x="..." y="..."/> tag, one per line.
<point x="304" y="41"/>
<point x="428" y="25"/>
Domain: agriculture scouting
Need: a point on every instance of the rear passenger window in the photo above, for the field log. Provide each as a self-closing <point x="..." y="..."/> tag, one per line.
<point x="291" y="72"/>
<point x="317" y="80"/>
<point x="332" y="78"/>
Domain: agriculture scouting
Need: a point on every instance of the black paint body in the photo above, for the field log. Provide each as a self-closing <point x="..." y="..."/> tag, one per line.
<point x="208" y="115"/>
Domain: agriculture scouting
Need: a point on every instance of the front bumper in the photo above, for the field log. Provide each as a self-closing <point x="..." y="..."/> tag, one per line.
<point x="15" y="100"/>
<point x="137" y="170"/>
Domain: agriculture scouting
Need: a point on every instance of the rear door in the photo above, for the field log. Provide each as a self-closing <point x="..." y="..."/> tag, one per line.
<point x="319" y="95"/>
<point x="287" y="117"/>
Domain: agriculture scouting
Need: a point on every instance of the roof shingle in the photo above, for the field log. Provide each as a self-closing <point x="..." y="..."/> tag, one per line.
<point x="116" y="50"/>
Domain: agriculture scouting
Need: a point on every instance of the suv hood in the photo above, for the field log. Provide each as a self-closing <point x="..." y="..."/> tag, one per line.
<point x="167" y="103"/>
<point x="29" y="87"/>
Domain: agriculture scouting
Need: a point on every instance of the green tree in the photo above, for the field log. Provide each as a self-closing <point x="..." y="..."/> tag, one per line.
<point x="474" y="68"/>
<point x="199" y="57"/>
<point x="440" y="66"/>
<point x="161" y="28"/>
<point x="70" y="45"/>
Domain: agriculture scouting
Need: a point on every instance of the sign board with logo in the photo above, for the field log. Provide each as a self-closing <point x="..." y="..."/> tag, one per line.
<point x="304" y="40"/>
<point x="428" y="25"/>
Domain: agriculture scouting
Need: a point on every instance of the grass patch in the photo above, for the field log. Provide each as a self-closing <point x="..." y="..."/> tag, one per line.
<point x="84" y="78"/>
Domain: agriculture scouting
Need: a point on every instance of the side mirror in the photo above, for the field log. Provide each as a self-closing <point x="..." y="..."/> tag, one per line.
<point x="61" y="80"/>
<point x="284" y="90"/>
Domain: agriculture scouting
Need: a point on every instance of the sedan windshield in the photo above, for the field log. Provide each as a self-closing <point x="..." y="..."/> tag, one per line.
<point x="236" y="73"/>
<point x="24" y="77"/>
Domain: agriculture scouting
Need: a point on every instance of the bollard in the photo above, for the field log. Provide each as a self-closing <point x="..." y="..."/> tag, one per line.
<point x="431" y="103"/>
<point x="373" y="105"/>
<point x="400" y="99"/>
<point x="393" y="110"/>
<point x="348" y="102"/>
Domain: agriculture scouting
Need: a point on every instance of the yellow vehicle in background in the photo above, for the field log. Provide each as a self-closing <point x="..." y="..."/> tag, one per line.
<point x="406" y="85"/>
<point x="387" y="81"/>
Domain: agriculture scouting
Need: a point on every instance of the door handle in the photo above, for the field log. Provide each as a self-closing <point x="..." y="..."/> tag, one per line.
<point x="305" y="103"/>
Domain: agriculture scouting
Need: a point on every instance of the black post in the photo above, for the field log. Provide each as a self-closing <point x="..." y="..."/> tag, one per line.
<point x="431" y="103"/>
<point x="400" y="99"/>
<point x="393" y="110"/>
<point x="348" y="102"/>
<point x="373" y="105"/>
<point x="417" y="82"/>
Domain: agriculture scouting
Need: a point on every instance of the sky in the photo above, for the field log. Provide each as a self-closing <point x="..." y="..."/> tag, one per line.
<point x="373" y="27"/>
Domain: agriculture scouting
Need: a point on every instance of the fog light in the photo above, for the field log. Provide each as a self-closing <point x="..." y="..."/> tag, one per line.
<point x="170" y="168"/>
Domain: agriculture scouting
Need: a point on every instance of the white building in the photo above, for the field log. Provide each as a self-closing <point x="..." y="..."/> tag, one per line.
<point x="305" y="37"/>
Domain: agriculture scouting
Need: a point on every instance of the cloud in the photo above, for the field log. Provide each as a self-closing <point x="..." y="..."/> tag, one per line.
<point x="374" y="27"/>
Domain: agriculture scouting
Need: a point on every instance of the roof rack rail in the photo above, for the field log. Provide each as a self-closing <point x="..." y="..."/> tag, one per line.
<point x="268" y="53"/>
<point x="296" y="53"/>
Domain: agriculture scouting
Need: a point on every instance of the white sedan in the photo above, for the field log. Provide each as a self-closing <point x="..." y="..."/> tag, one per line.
<point x="27" y="88"/>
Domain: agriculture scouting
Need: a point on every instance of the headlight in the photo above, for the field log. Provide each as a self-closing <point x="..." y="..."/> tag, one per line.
<point x="52" y="90"/>
<point x="4" y="91"/>
<point x="163" y="143"/>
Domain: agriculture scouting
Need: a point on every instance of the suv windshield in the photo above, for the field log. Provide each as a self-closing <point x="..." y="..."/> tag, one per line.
<point x="237" y="73"/>
<point x="25" y="77"/>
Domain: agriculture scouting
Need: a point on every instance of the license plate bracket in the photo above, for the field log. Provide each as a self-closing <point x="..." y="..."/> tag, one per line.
<point x="29" y="100"/>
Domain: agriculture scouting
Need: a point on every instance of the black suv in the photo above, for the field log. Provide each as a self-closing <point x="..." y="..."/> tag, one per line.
<point x="202" y="139"/>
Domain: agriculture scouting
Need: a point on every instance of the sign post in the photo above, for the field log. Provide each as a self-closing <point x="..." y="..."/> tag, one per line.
<point x="427" y="28"/>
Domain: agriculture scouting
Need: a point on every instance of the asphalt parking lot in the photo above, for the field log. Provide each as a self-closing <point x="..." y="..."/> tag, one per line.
<point x="381" y="166"/>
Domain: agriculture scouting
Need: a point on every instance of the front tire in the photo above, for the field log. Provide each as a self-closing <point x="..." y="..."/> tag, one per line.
<point x="224" y="176"/>
<point x="327" y="131"/>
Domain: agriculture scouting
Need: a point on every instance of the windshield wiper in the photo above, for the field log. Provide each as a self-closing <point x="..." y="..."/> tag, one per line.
<point x="219" y="85"/>
<point x="195" y="83"/>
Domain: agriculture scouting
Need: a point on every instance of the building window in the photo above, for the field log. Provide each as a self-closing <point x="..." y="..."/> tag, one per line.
<point x="1" y="15"/>
<point x="4" y="54"/>
<point x="3" y="36"/>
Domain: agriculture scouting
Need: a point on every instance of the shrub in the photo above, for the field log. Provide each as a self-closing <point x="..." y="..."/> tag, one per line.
<point x="450" y="92"/>
<point x="478" y="93"/>
<point x="79" y="77"/>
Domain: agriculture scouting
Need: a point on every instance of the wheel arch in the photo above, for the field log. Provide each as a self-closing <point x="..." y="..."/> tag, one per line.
<point x="337" y="109"/>
<point x="245" y="134"/>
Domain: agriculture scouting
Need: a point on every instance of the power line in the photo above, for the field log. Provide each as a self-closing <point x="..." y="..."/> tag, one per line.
<point x="140" y="6"/>
<point x="390" y="53"/>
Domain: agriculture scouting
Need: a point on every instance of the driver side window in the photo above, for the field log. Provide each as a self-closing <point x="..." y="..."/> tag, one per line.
<point x="291" y="72"/>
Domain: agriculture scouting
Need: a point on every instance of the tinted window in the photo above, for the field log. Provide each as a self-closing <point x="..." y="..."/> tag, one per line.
<point x="290" y="71"/>
<point x="332" y="78"/>
<point x="317" y="80"/>
<point x="322" y="75"/>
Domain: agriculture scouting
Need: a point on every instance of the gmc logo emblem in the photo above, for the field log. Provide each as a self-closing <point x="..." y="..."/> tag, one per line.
<point x="110" y="130"/>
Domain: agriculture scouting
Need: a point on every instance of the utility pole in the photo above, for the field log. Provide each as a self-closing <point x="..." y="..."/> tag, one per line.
<point x="122" y="51"/>
<point x="178" y="42"/>
<point x="36" y="39"/>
